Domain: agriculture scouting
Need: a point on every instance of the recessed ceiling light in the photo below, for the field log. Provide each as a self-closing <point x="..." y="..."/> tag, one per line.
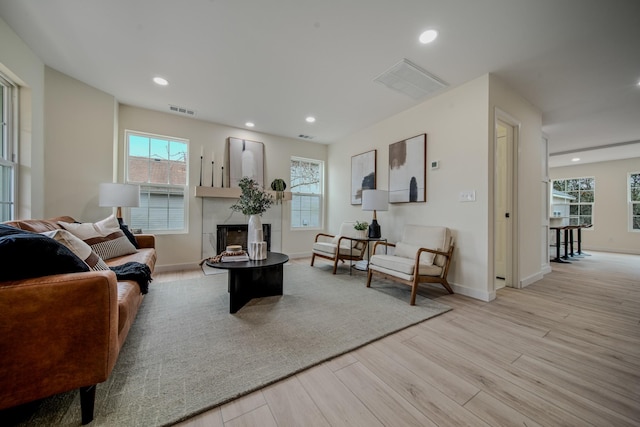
<point x="249" y="124"/>
<point x="575" y="159"/>
<point x="160" y="81"/>
<point x="310" y="119"/>
<point x="428" y="36"/>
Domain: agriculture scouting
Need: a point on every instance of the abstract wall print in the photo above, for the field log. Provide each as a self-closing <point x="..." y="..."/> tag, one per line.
<point x="363" y="175"/>
<point x="246" y="158"/>
<point x="407" y="170"/>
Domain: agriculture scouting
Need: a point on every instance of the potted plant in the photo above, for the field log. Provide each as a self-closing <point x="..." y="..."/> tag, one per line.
<point x="361" y="227"/>
<point x="253" y="201"/>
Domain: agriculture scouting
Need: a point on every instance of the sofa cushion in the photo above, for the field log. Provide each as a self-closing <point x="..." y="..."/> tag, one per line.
<point x="25" y="254"/>
<point x="105" y="237"/>
<point x="331" y="248"/>
<point x="78" y="247"/>
<point x="403" y="265"/>
<point x="39" y="225"/>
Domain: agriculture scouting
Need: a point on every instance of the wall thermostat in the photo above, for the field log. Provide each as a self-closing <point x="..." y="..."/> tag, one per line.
<point x="435" y="164"/>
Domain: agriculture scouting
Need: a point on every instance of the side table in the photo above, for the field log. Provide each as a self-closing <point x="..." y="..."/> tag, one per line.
<point x="364" y="264"/>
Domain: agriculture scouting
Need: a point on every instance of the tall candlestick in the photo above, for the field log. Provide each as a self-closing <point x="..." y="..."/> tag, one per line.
<point x="222" y="181"/>
<point x="201" y="157"/>
<point x="212" y="171"/>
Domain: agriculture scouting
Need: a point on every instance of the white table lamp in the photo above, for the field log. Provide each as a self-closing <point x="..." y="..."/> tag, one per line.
<point x="119" y="196"/>
<point x="375" y="200"/>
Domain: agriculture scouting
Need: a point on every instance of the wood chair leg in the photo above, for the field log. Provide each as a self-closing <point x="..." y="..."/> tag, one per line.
<point x="414" y="290"/>
<point x="335" y="265"/>
<point x="369" y="278"/>
<point x="447" y="286"/>
<point x="313" y="258"/>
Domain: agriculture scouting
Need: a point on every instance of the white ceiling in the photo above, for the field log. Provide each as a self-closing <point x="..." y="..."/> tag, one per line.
<point x="275" y="62"/>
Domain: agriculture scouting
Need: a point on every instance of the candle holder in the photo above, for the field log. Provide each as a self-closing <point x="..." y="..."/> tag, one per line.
<point x="201" y="160"/>
<point x="212" y="171"/>
<point x="222" y="181"/>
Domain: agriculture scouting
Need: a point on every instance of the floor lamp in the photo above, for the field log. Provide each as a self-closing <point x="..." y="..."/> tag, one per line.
<point x="375" y="200"/>
<point x="115" y="195"/>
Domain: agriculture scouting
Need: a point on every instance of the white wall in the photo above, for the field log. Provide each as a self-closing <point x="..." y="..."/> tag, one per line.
<point x="176" y="251"/>
<point x="459" y="128"/>
<point x="456" y="124"/>
<point x="79" y="130"/>
<point x="610" y="231"/>
<point x="27" y="70"/>
<point x="530" y="213"/>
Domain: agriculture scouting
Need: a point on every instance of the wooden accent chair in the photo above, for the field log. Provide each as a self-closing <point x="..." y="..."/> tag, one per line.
<point x="339" y="247"/>
<point x="422" y="256"/>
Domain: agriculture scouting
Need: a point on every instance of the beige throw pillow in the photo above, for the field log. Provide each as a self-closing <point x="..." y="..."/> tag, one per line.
<point x="79" y="248"/>
<point x="105" y="237"/>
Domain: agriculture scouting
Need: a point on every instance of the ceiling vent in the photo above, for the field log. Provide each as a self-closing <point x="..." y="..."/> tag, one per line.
<point x="182" y="110"/>
<point x="305" y="136"/>
<point x="406" y="77"/>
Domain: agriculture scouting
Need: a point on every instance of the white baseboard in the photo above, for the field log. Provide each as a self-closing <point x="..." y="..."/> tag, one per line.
<point x="480" y="294"/>
<point x="613" y="250"/>
<point x="176" y="267"/>
<point x="531" y="279"/>
<point x="299" y="255"/>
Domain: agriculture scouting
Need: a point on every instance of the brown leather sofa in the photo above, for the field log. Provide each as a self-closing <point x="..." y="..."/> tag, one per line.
<point x="62" y="332"/>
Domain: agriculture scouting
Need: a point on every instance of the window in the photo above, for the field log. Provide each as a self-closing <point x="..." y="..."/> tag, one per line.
<point x="159" y="165"/>
<point x="634" y="201"/>
<point x="307" y="193"/>
<point x="8" y="120"/>
<point x="581" y="208"/>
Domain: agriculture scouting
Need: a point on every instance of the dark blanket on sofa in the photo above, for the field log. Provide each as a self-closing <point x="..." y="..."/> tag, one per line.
<point x="140" y="273"/>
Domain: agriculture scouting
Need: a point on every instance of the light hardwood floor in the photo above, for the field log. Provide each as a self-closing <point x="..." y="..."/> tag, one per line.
<point x="564" y="351"/>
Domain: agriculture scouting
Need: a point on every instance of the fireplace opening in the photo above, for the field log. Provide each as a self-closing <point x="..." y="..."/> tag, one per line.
<point x="236" y="234"/>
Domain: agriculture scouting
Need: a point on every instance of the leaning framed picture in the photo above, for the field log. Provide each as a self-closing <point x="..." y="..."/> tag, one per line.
<point x="246" y="158"/>
<point x="363" y="175"/>
<point x="408" y="170"/>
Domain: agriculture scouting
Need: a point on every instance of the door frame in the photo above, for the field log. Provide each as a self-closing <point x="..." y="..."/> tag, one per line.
<point x="513" y="246"/>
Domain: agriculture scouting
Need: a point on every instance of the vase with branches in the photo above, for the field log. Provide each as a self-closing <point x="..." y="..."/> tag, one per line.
<point x="253" y="201"/>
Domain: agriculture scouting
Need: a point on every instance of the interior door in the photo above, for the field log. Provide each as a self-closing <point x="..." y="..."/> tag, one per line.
<point x="503" y="203"/>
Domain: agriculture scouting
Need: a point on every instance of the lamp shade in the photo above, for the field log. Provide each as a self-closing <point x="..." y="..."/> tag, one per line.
<point x="119" y="195"/>
<point x="375" y="200"/>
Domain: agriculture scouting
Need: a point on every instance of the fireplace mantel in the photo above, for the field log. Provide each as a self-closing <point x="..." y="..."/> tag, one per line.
<point x="230" y="193"/>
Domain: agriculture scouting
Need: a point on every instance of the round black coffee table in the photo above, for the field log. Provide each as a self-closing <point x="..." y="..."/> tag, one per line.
<point x="253" y="279"/>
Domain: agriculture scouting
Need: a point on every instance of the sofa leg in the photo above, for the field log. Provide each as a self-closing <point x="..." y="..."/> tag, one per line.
<point x="87" y="401"/>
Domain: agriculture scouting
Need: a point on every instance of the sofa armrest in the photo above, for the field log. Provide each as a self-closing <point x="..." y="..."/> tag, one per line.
<point x="146" y="240"/>
<point x="57" y="333"/>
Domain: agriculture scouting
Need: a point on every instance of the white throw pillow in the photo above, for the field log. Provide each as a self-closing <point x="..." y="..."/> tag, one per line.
<point x="105" y="237"/>
<point x="79" y="248"/>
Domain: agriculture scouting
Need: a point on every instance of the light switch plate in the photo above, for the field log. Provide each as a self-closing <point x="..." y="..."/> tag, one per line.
<point x="467" y="196"/>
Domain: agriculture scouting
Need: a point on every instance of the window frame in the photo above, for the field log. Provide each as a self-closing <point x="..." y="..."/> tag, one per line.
<point x="578" y="201"/>
<point x="145" y="185"/>
<point x="632" y="203"/>
<point x="9" y="150"/>
<point x="321" y="195"/>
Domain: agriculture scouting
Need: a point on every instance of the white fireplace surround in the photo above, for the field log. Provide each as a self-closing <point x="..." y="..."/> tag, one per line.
<point x="217" y="210"/>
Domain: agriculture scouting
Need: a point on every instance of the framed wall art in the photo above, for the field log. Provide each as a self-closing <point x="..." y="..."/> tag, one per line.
<point x="363" y="175"/>
<point x="246" y="158"/>
<point x="408" y="170"/>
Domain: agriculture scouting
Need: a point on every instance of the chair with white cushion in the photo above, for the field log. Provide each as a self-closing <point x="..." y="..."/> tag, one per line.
<point x="339" y="247"/>
<point x="422" y="256"/>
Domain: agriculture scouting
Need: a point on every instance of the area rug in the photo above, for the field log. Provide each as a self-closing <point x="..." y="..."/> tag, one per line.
<point x="185" y="353"/>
